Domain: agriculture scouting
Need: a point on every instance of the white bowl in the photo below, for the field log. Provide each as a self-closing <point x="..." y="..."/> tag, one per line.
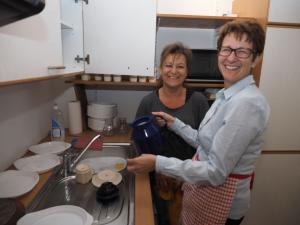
<point x="106" y="176"/>
<point x="102" y="110"/>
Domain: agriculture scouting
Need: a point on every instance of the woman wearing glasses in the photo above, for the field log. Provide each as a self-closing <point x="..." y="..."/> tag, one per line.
<point x="228" y="140"/>
<point x="189" y="106"/>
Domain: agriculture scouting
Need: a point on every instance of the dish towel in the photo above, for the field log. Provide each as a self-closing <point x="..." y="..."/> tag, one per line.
<point x="82" y="142"/>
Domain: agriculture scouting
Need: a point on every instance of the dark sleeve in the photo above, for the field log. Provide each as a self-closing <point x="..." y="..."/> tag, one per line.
<point x="201" y="105"/>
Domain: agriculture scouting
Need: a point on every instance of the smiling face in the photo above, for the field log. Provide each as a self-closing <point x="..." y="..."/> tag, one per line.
<point x="174" y="70"/>
<point x="233" y="68"/>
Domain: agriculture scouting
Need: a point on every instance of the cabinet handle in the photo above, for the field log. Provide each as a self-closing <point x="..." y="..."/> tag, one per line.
<point x="56" y="67"/>
<point x="86" y="1"/>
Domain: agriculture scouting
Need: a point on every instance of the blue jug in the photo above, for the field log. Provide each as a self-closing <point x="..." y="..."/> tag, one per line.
<point x="146" y="135"/>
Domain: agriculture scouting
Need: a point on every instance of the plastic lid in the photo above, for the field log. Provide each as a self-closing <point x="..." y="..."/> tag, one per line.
<point x="82" y="168"/>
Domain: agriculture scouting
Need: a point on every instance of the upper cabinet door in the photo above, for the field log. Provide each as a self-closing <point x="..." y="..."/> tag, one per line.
<point x="28" y="47"/>
<point x="287" y="11"/>
<point x="72" y="35"/>
<point x="119" y="36"/>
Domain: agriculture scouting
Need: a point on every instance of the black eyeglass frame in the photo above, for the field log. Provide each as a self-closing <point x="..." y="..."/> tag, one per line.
<point x="251" y="51"/>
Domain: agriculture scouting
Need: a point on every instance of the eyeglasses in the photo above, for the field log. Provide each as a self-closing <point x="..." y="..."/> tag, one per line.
<point x="242" y="53"/>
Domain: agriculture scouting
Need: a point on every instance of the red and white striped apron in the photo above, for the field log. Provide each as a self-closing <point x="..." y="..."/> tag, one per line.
<point x="208" y="205"/>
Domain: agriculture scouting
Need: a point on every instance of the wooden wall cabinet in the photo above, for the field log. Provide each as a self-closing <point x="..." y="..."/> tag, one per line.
<point x="72" y="35"/>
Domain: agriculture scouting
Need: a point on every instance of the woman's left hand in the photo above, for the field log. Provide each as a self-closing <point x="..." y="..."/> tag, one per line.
<point x="142" y="164"/>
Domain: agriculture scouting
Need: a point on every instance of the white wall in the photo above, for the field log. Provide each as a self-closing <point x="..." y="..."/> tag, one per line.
<point x="279" y="82"/>
<point x="127" y="101"/>
<point x="25" y="116"/>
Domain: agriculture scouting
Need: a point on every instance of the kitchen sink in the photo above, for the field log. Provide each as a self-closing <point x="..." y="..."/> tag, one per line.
<point x="60" y="190"/>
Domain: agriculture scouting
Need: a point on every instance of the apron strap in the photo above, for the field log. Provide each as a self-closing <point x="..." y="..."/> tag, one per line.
<point x="244" y="176"/>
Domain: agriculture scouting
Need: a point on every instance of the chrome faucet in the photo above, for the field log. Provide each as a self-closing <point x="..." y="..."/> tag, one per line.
<point x="68" y="166"/>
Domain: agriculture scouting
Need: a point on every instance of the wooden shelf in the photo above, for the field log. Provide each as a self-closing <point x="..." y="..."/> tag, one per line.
<point x="192" y="21"/>
<point x="126" y="85"/>
<point x="60" y="75"/>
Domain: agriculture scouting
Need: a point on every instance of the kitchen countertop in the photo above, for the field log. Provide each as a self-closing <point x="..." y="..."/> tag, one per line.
<point x="143" y="200"/>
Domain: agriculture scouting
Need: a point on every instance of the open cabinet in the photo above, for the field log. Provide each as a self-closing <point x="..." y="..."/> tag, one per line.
<point x="119" y="37"/>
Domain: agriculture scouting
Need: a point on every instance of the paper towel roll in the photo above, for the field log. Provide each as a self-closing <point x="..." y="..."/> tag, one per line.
<point x="75" y="119"/>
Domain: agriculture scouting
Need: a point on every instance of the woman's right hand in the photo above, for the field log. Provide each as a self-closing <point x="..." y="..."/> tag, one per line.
<point x="164" y="119"/>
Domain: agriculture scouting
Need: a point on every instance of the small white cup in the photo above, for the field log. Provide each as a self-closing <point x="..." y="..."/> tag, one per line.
<point x="98" y="77"/>
<point x="142" y="79"/>
<point x="85" y="77"/>
<point x="152" y="79"/>
<point x="117" y="78"/>
<point x="107" y="77"/>
<point x="133" y="78"/>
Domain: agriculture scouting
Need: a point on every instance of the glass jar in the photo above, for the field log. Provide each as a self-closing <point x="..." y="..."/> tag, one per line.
<point x="123" y="128"/>
<point x="108" y="127"/>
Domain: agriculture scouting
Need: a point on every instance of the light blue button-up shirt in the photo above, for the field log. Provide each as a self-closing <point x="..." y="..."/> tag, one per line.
<point x="229" y="140"/>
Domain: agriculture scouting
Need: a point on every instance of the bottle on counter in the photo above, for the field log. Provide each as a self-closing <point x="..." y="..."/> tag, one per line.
<point x="57" y="124"/>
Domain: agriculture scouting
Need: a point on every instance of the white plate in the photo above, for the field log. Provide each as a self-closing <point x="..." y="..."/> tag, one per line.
<point x="54" y="147"/>
<point x="101" y="163"/>
<point x="58" y="215"/>
<point x="15" y="183"/>
<point x="106" y="176"/>
<point x="38" y="163"/>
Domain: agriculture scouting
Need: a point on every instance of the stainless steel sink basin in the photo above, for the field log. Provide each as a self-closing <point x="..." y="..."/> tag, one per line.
<point x="60" y="190"/>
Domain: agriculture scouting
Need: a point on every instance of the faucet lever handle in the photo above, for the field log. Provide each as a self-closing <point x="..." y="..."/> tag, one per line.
<point x="66" y="164"/>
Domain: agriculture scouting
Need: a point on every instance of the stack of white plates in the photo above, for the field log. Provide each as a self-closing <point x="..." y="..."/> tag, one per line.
<point x="98" y="113"/>
<point x="96" y="124"/>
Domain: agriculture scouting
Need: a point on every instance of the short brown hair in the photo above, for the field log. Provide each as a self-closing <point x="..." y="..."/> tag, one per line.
<point x="254" y="32"/>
